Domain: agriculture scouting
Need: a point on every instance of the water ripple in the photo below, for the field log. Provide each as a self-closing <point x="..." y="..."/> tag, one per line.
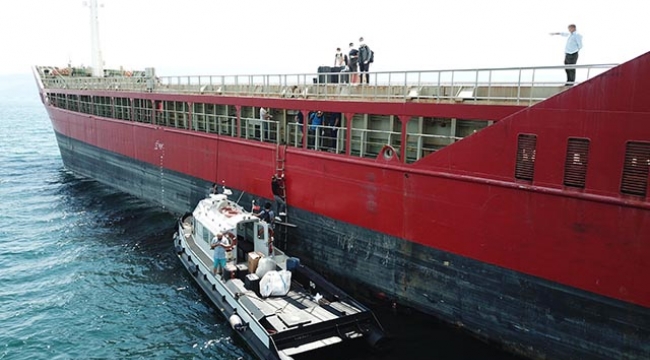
<point x="88" y="272"/>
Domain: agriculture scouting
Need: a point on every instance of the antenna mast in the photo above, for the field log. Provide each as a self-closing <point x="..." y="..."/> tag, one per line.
<point x="97" y="62"/>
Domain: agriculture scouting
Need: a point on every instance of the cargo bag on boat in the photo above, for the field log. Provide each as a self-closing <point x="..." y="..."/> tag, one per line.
<point x="275" y="283"/>
<point x="265" y="265"/>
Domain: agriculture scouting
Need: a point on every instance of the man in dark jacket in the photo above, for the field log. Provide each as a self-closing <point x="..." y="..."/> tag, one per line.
<point x="267" y="214"/>
<point x="365" y="58"/>
<point x="353" y="60"/>
<point x="277" y="187"/>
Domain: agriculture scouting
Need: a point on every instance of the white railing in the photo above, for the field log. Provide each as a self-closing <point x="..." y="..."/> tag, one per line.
<point x="522" y="85"/>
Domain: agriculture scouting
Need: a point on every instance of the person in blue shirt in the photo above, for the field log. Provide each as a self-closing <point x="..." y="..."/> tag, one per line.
<point x="573" y="45"/>
<point x="315" y="128"/>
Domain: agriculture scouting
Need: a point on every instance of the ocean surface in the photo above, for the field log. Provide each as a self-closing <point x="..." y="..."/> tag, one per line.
<point x="88" y="272"/>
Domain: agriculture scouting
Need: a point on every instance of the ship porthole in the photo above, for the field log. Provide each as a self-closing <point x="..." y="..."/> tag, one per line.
<point x="389" y="153"/>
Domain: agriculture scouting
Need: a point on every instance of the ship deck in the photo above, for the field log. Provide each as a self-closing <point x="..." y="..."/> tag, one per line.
<point x="499" y="86"/>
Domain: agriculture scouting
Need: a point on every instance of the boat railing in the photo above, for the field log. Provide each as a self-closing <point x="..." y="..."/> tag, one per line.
<point x="521" y="85"/>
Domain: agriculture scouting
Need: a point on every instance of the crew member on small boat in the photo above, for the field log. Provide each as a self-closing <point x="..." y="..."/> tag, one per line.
<point x="220" y="245"/>
<point x="267" y="214"/>
<point x="214" y="189"/>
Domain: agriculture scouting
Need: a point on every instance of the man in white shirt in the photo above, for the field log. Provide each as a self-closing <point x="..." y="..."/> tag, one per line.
<point x="573" y="45"/>
<point x="340" y="59"/>
<point x="264" y="117"/>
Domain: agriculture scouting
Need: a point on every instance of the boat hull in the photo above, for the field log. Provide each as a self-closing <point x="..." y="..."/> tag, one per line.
<point x="248" y="335"/>
<point x="530" y="315"/>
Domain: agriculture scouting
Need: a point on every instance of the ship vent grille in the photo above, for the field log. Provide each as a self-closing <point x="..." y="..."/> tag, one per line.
<point x="575" y="166"/>
<point x="635" y="168"/>
<point x="526" y="148"/>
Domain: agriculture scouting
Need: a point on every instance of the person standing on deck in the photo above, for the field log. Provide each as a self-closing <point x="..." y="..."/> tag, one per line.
<point x="264" y="118"/>
<point x="365" y="58"/>
<point x="315" y="130"/>
<point x="277" y="187"/>
<point x="220" y="245"/>
<point x="299" y="118"/>
<point x="340" y="59"/>
<point x="573" y="45"/>
<point x="332" y="122"/>
<point x="353" y="60"/>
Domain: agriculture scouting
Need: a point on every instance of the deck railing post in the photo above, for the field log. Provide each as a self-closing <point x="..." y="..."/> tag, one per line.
<point x="419" y="80"/>
<point x="489" y="94"/>
<point x="406" y="88"/>
<point x="475" y="91"/>
<point x="531" y="89"/>
<point x="438" y="90"/>
<point x="519" y="87"/>
<point x="375" y="75"/>
<point x="451" y="92"/>
<point x="266" y="87"/>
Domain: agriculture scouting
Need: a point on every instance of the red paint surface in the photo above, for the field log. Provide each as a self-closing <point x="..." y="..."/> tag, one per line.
<point x="461" y="199"/>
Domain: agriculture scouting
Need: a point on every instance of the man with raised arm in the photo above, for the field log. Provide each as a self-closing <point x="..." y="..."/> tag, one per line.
<point x="573" y="45"/>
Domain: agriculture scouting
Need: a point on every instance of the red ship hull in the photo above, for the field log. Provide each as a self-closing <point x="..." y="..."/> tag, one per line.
<point x="549" y="270"/>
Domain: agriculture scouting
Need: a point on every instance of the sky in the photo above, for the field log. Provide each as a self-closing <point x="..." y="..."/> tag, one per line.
<point x="213" y="37"/>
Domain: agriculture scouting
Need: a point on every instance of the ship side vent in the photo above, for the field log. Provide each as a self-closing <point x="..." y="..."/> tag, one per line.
<point x="635" y="168"/>
<point x="525" y="166"/>
<point x="575" y="166"/>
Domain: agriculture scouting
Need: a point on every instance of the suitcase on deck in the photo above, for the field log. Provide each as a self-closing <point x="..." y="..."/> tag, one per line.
<point x="334" y="78"/>
<point x="343" y="75"/>
<point x="322" y="74"/>
<point x="252" y="282"/>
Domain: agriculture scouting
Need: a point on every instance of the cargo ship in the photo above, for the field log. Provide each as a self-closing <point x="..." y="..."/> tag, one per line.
<point x="516" y="210"/>
<point x="497" y="200"/>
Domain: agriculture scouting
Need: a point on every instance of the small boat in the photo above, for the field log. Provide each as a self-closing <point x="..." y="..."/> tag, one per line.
<point x="279" y="307"/>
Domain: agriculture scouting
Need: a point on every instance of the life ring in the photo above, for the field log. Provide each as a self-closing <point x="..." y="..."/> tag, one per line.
<point x="128" y="74"/>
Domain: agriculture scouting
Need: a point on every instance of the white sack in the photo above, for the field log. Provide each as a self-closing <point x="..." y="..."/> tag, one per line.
<point x="265" y="265"/>
<point x="275" y="283"/>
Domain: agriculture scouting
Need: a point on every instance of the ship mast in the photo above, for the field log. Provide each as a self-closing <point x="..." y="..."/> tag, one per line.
<point x="97" y="62"/>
